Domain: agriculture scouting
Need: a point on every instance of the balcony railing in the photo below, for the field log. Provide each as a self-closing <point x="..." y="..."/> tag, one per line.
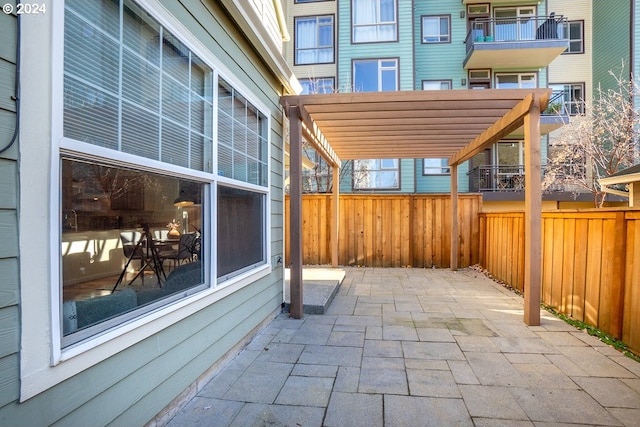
<point x="520" y="29"/>
<point x="558" y="105"/>
<point x="496" y="178"/>
<point x="510" y="178"/>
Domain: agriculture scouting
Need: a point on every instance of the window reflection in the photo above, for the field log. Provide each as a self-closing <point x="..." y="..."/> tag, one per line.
<point x="129" y="240"/>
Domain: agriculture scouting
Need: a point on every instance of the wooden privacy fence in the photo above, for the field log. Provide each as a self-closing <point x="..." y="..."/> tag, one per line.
<point x="590" y="264"/>
<point x="388" y="230"/>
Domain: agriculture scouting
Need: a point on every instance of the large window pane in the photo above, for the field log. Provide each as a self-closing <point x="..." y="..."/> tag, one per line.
<point x="319" y="85"/>
<point x="376" y="174"/>
<point x="241" y="225"/>
<point x="242" y="138"/>
<point x="122" y="72"/>
<point x="375" y="75"/>
<point x="118" y="257"/>
<point x="374" y="20"/>
<point x="435" y="29"/>
<point x="314" y="40"/>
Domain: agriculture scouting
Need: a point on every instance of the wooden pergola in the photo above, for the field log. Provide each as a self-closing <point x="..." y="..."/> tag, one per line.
<point x="453" y="124"/>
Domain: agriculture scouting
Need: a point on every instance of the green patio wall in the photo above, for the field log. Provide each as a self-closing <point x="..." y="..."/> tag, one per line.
<point x="131" y="387"/>
<point x="9" y="283"/>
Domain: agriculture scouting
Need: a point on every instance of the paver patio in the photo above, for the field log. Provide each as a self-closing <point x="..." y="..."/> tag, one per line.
<point x="420" y="347"/>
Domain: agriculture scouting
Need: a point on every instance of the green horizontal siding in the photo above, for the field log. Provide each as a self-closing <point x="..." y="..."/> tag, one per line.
<point x="131" y="387"/>
<point x="401" y="49"/>
<point x="8" y="282"/>
<point x="440" y="183"/>
<point x="441" y="61"/>
<point x="611" y="41"/>
<point x="9" y="387"/>
<point x="8" y="35"/>
<point x="7" y="85"/>
<point x="9" y="330"/>
<point x="9" y="278"/>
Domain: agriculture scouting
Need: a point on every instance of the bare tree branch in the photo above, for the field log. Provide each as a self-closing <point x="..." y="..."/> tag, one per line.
<point x="598" y="143"/>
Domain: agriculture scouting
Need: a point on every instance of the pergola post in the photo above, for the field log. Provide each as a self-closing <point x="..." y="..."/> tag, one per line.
<point x="335" y="216"/>
<point x="295" y="212"/>
<point x="532" y="215"/>
<point x="455" y="232"/>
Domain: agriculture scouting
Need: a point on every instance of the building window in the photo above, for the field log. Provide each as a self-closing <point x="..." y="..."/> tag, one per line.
<point x="377" y="75"/>
<point x="435" y="167"/>
<point x="374" y="21"/>
<point x="515" y="23"/>
<point x="319" y="85"/>
<point x="570" y="95"/>
<point x="376" y="174"/>
<point x="436" y="29"/>
<point x="436" y="84"/>
<point x="516" y="81"/>
<point x="137" y="172"/>
<point x="243" y="156"/>
<point x="314" y="40"/>
<point x="242" y="138"/>
<point x="576" y="37"/>
<point x="112" y="82"/>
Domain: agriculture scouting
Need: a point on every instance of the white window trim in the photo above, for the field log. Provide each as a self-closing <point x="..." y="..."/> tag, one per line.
<point x="381" y="68"/>
<point x="318" y="45"/>
<point x="380" y="169"/>
<point x="440" y="82"/>
<point x="377" y="23"/>
<point x="439" y="35"/>
<point x="580" y="22"/>
<point x="520" y="75"/>
<point x="446" y="168"/>
<point x="43" y="363"/>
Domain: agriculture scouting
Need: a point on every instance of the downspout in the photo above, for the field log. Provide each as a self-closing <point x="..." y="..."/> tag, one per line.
<point x="282" y="22"/>
<point x="16" y="96"/>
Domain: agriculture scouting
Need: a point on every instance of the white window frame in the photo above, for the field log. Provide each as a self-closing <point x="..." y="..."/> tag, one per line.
<point x="521" y="13"/>
<point x="383" y="165"/>
<point x="443" y="84"/>
<point x="520" y="78"/>
<point x="319" y="82"/>
<point x="429" y="167"/>
<point x="381" y="68"/>
<point x="378" y="22"/>
<point x="440" y="38"/>
<point x="574" y="107"/>
<point x="41" y="356"/>
<point x="318" y="25"/>
<point x="580" y="23"/>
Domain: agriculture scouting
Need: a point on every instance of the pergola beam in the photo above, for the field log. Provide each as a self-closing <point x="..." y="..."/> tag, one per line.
<point x="295" y="213"/>
<point x="532" y="216"/>
<point x="420" y="124"/>
<point x="503" y="127"/>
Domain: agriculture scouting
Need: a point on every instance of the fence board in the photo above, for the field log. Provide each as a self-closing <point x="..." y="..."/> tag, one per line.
<point x="389" y="230"/>
<point x="631" y="319"/>
<point x="589" y="271"/>
<point x="594" y="256"/>
<point x="568" y="250"/>
<point x="580" y="270"/>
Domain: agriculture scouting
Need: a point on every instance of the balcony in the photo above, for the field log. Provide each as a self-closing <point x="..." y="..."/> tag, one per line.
<point x="490" y="178"/>
<point x="510" y="179"/>
<point x="555" y="116"/>
<point x="524" y="42"/>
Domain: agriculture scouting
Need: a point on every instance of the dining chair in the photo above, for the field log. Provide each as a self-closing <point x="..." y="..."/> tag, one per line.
<point x="185" y="251"/>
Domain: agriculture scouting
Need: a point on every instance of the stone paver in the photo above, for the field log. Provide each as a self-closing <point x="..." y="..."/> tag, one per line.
<point x="419" y="347"/>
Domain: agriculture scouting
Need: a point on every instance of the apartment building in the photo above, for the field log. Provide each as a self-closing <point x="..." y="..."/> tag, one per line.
<point x="388" y="45"/>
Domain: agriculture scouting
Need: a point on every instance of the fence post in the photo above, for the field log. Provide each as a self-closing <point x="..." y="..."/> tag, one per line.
<point x="619" y="275"/>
